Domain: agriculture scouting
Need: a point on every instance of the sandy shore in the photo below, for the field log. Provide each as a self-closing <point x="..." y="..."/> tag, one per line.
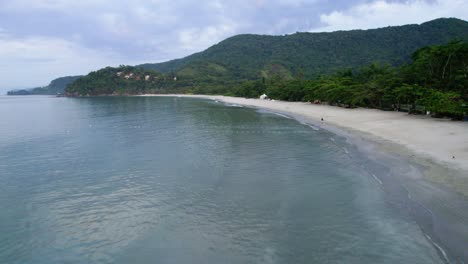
<point x="436" y="139"/>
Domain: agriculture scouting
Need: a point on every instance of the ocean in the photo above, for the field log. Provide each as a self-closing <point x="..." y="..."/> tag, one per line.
<point x="182" y="180"/>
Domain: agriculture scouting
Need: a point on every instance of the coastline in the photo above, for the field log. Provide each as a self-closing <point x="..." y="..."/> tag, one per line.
<point x="409" y="136"/>
<point x="421" y="178"/>
<point x="417" y="133"/>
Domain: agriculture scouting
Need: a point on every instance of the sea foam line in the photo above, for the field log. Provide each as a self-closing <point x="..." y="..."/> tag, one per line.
<point x="285" y="116"/>
<point x="314" y="127"/>
<point x="233" y="105"/>
<point x="377" y="179"/>
<point x="442" y="251"/>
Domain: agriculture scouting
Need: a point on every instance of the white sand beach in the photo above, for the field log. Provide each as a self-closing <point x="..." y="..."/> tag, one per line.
<point x="437" y="139"/>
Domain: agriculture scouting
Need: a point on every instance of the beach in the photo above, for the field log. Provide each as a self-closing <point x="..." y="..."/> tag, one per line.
<point x="441" y="140"/>
<point x="198" y="173"/>
<point x="425" y="159"/>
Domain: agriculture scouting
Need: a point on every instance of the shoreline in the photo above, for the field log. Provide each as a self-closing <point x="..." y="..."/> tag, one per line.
<point x="416" y="133"/>
<point x="420" y="180"/>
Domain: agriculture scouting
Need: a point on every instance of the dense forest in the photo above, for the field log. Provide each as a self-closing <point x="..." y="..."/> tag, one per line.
<point x="389" y="68"/>
<point x="436" y="81"/>
<point x="56" y="86"/>
<point x="246" y="57"/>
<point x="124" y="80"/>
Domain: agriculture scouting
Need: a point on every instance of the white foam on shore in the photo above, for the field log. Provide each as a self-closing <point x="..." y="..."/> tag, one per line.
<point x="441" y="250"/>
<point x="285" y="116"/>
<point x="233" y="105"/>
<point x="314" y="127"/>
<point x="377" y="179"/>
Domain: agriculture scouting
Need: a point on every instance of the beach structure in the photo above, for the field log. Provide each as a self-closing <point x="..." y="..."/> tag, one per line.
<point x="263" y="97"/>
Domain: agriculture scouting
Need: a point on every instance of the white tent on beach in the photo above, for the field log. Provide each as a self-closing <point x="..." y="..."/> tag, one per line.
<point x="263" y="97"/>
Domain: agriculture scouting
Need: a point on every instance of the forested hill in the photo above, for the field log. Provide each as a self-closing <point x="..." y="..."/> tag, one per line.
<point x="310" y="54"/>
<point x="56" y="86"/>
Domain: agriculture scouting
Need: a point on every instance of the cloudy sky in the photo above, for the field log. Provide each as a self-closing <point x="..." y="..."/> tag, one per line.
<point x="44" y="39"/>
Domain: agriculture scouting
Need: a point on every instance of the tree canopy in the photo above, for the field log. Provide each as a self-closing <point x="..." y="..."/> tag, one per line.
<point x="436" y="81"/>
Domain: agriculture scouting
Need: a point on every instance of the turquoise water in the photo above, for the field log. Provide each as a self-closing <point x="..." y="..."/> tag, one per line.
<point x="178" y="180"/>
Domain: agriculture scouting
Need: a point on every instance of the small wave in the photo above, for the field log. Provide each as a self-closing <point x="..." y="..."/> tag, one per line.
<point x="377" y="179"/>
<point x="314" y="127"/>
<point x="263" y="111"/>
<point x="234" y="105"/>
<point x="285" y="116"/>
<point x="441" y="250"/>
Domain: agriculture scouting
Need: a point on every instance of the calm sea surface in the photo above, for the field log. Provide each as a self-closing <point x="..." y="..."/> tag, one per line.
<point x="178" y="180"/>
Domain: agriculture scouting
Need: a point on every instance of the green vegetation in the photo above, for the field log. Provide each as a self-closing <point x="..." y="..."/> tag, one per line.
<point x="249" y="57"/>
<point x="389" y="69"/>
<point x="436" y="81"/>
<point x="121" y="81"/>
<point x="55" y="87"/>
<point x="22" y="91"/>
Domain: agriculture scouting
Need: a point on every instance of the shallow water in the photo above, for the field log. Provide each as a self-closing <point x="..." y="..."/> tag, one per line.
<point x="179" y="180"/>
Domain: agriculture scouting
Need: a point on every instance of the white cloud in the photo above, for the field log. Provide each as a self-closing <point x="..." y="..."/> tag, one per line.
<point x="49" y="38"/>
<point x="160" y="13"/>
<point x="384" y="13"/>
<point x="295" y="3"/>
<point x="35" y="61"/>
<point x="195" y="39"/>
<point x="64" y="5"/>
<point x="114" y="23"/>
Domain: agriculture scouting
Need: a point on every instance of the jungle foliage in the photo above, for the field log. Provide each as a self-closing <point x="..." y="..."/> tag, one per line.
<point x="247" y="57"/>
<point x="436" y="81"/>
<point x="414" y="68"/>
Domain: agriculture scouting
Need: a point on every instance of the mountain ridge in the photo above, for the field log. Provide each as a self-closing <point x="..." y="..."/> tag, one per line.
<point x="246" y="56"/>
<point x="56" y="86"/>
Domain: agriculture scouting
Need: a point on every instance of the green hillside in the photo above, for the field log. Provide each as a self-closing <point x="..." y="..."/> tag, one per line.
<point x="56" y="86"/>
<point x="120" y="81"/>
<point x="415" y="68"/>
<point x="310" y="54"/>
<point x="436" y="80"/>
